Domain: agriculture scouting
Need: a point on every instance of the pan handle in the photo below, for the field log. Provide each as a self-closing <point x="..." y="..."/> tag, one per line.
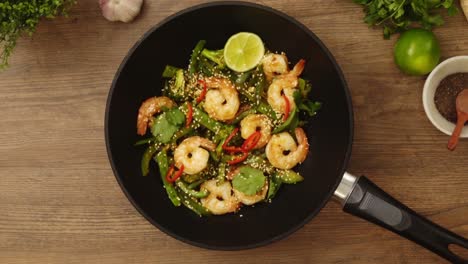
<point x="362" y="198"/>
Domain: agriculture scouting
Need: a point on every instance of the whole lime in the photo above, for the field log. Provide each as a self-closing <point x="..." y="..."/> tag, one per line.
<point x="417" y="51"/>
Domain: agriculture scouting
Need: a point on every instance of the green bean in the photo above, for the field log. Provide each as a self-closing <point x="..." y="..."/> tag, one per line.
<point x="146" y="158"/>
<point x="242" y="115"/>
<point x="195" y="184"/>
<point x="163" y="163"/>
<point x="196" y="194"/>
<point x="192" y="204"/>
<point x="194" y="58"/>
<point x="221" y="173"/>
<point x="190" y="178"/>
<point x="144" y="141"/>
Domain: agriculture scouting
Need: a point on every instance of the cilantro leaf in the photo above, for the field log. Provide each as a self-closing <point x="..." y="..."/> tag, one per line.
<point x="167" y="124"/>
<point x="249" y="180"/>
<point x="398" y="15"/>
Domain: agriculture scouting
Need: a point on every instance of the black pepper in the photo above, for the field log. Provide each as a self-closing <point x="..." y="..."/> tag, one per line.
<point x="446" y="94"/>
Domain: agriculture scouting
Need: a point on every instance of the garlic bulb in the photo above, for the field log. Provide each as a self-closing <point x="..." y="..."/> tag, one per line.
<point x="464" y="5"/>
<point x="120" y="10"/>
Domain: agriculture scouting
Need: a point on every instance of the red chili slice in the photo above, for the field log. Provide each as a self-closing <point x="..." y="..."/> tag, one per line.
<point x="169" y="173"/>
<point x="287" y="107"/>
<point x="226" y="142"/>
<point x="251" y="141"/>
<point x="189" y="115"/>
<point x="203" y="93"/>
<point x="176" y="175"/>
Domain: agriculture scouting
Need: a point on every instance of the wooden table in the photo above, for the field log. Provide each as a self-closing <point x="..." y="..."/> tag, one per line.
<point x="60" y="202"/>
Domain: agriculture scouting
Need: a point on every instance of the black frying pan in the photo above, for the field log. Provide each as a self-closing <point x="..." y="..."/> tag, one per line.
<point x="330" y="136"/>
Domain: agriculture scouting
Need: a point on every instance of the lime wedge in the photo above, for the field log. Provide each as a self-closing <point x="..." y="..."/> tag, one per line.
<point x="243" y="51"/>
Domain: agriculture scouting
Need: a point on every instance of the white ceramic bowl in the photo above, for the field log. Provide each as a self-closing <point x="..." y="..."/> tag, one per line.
<point x="447" y="67"/>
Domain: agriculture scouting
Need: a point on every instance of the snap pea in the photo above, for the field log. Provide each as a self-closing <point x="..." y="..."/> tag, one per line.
<point x="192" y="204"/>
<point x="144" y="141"/>
<point x="197" y="194"/>
<point x="221" y="131"/>
<point x="266" y="109"/>
<point x="243" y="115"/>
<point x="293" y="119"/>
<point x="221" y="173"/>
<point x="242" y="77"/>
<point x="260" y="163"/>
<point x="163" y="164"/>
<point x="195" y="184"/>
<point x="273" y="186"/>
<point x="194" y="57"/>
<point x="201" y="117"/>
<point x="289" y="176"/>
<point x="146" y="159"/>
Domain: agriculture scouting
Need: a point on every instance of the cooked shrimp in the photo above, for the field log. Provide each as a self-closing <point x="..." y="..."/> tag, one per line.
<point x="221" y="100"/>
<point x="251" y="199"/>
<point x="274" y="64"/>
<point x="193" y="155"/>
<point x="284" y="84"/>
<point x="150" y="107"/>
<point x="220" y="200"/>
<point x="255" y="122"/>
<point x="283" y="152"/>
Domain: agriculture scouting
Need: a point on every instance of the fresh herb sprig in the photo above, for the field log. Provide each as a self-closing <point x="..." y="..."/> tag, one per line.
<point x="18" y="17"/>
<point x="398" y="15"/>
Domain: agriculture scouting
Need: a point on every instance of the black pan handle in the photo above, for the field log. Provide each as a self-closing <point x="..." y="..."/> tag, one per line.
<point x="369" y="202"/>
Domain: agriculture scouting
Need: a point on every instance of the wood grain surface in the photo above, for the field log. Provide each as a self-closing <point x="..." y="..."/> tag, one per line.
<point x="60" y="202"/>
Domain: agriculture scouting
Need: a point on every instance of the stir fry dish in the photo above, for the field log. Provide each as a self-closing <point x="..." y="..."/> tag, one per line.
<point x="228" y="129"/>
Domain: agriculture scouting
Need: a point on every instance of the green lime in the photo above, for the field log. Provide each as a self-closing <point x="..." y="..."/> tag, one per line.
<point x="417" y="51"/>
<point x="243" y="51"/>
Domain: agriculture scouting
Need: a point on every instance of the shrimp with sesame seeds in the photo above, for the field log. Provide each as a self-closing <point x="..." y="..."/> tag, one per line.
<point x="284" y="85"/>
<point x="221" y="100"/>
<point x="220" y="199"/>
<point x="193" y="154"/>
<point x="218" y="135"/>
<point x="150" y="107"/>
<point x="274" y="64"/>
<point x="249" y="199"/>
<point x="256" y="122"/>
<point x="284" y="153"/>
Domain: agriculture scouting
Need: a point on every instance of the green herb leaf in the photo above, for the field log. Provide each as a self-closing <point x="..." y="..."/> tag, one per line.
<point x="20" y="17"/>
<point x="167" y="124"/>
<point x="249" y="180"/>
<point x="398" y="15"/>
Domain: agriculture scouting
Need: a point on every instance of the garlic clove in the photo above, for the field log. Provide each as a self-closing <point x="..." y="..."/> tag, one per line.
<point x="120" y="10"/>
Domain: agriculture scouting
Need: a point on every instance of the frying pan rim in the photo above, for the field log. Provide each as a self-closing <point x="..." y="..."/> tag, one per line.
<point x="350" y="119"/>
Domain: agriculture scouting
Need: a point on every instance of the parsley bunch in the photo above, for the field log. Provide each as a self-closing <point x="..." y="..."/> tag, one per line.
<point x="397" y="15"/>
<point x="18" y="17"/>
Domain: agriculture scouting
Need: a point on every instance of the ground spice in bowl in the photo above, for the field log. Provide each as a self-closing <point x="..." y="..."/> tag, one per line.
<point x="446" y="94"/>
